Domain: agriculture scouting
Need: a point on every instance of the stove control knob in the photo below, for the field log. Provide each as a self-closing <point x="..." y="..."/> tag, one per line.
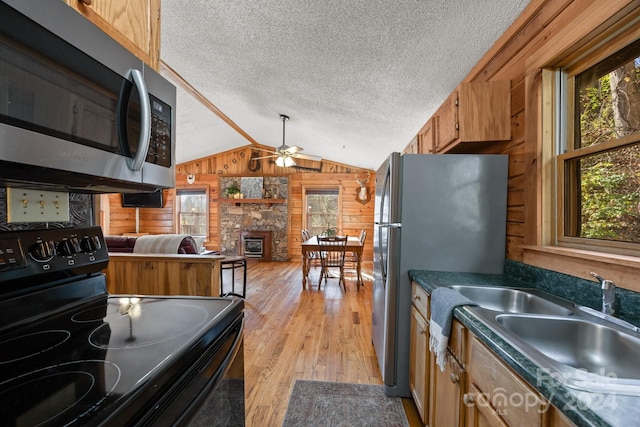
<point x="66" y="247"/>
<point x="43" y="251"/>
<point x="76" y="244"/>
<point x="90" y="244"/>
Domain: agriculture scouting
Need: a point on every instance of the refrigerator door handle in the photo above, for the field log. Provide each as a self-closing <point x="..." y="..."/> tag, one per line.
<point x="389" y="224"/>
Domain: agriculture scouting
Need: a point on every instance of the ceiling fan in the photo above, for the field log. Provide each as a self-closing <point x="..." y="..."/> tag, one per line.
<point x="284" y="154"/>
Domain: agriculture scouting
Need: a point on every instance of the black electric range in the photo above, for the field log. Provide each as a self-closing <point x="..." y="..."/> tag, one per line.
<point x="71" y="354"/>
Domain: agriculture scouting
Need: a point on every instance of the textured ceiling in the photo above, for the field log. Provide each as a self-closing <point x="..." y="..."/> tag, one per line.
<point x="358" y="78"/>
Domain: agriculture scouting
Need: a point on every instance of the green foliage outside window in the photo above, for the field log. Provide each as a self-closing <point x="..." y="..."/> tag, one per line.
<point x="322" y="214"/>
<point x="609" y="181"/>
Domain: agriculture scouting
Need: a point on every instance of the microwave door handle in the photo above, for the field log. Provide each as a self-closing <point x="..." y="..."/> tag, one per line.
<point x="136" y="163"/>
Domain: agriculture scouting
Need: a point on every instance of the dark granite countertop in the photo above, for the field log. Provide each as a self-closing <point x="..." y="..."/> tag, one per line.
<point x="583" y="408"/>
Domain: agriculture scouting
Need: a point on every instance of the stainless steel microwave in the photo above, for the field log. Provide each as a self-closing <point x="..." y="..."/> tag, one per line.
<point x="78" y="112"/>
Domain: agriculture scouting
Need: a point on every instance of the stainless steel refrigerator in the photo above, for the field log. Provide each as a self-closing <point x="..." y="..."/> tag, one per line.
<point x="444" y="212"/>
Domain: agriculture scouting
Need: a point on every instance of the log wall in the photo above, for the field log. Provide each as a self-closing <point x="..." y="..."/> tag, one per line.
<point x="208" y="171"/>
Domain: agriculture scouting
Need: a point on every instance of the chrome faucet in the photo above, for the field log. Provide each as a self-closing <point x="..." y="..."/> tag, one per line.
<point x="609" y="305"/>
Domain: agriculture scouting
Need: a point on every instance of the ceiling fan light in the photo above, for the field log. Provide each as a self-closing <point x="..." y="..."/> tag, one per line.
<point x="288" y="161"/>
<point x="280" y="161"/>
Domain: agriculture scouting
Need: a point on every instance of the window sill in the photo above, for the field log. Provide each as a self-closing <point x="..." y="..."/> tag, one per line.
<point x="622" y="269"/>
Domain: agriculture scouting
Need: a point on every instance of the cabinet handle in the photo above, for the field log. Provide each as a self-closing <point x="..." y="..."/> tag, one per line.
<point x="417" y="297"/>
<point x="468" y="399"/>
<point x="454" y="378"/>
<point x="422" y="331"/>
<point x="87" y="2"/>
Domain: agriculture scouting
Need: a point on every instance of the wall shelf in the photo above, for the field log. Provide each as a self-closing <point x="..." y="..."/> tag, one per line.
<point x="267" y="202"/>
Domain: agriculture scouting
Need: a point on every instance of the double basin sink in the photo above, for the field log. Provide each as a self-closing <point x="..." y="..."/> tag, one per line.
<point x="570" y="344"/>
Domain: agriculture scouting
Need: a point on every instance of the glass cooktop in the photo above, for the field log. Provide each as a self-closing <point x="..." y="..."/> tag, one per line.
<point x="77" y="366"/>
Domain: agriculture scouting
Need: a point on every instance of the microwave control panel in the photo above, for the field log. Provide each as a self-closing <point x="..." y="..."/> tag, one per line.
<point x="160" y="146"/>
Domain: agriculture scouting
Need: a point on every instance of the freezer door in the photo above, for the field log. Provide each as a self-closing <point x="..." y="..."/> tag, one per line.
<point x="386" y="235"/>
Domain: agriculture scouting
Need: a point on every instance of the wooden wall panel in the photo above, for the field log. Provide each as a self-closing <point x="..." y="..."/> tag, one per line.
<point x="236" y="163"/>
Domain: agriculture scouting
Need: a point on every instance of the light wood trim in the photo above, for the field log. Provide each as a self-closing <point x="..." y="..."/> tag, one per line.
<point x="566" y="36"/>
<point x="624" y="29"/>
<point x="548" y="205"/>
<point x="622" y="269"/>
<point x="180" y="81"/>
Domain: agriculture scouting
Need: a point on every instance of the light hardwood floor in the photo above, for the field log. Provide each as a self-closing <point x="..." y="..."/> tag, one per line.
<point x="292" y="334"/>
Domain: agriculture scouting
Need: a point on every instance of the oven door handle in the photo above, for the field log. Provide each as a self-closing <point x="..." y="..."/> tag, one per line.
<point x="136" y="163"/>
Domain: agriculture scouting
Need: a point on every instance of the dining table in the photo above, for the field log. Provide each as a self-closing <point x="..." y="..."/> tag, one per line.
<point x="311" y="245"/>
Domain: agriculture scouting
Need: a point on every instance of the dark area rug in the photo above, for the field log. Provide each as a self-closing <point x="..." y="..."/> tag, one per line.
<point x="318" y="403"/>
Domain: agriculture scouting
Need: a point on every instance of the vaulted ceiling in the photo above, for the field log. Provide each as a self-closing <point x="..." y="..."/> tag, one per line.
<point x="358" y="78"/>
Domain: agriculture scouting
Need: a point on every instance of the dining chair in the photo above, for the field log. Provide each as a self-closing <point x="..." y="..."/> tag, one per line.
<point x="332" y="254"/>
<point x="313" y="258"/>
<point x="351" y="259"/>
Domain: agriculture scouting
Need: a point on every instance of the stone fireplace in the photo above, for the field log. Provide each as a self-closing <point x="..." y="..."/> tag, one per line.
<point x="263" y="219"/>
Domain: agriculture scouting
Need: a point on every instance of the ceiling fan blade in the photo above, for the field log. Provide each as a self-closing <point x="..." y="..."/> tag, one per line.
<point x="293" y="149"/>
<point x="265" y="157"/>
<point x="306" y="157"/>
<point x="264" y="149"/>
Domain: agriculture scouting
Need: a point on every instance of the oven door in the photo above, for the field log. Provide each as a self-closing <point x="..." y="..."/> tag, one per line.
<point x="211" y="392"/>
<point x="76" y="101"/>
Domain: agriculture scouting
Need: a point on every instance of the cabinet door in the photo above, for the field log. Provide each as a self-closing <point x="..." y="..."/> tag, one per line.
<point x="413" y="147"/>
<point x="133" y="23"/>
<point x="418" y="358"/>
<point x="426" y="138"/>
<point x="503" y="390"/>
<point x="474" y="112"/>
<point x="479" y="410"/>
<point x="484" y="111"/>
<point x="445" y="393"/>
<point x="447" y="123"/>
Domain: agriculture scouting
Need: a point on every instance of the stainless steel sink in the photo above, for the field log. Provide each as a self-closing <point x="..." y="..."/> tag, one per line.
<point x="568" y="343"/>
<point x="579" y="343"/>
<point x="515" y="300"/>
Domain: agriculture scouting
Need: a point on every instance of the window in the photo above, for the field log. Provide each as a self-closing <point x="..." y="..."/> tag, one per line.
<point x="599" y="173"/>
<point x="322" y="210"/>
<point x="191" y="209"/>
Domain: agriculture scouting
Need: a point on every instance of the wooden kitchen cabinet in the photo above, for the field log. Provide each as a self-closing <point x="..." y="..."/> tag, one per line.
<point x="446" y="388"/>
<point x="418" y="362"/>
<point x="419" y="350"/>
<point x="497" y="396"/>
<point x="413" y="147"/>
<point x="474" y="112"/>
<point x="135" y="24"/>
<point x="445" y="393"/>
<point x="476" y="389"/>
<point x="426" y="138"/>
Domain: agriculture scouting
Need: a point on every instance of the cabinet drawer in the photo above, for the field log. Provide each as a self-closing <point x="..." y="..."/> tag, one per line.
<point x="509" y="396"/>
<point x="420" y="299"/>
<point x="457" y="342"/>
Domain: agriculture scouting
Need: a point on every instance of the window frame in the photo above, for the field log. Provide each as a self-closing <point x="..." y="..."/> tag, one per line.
<point x="176" y="210"/>
<point x="329" y="187"/>
<point x="561" y="86"/>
